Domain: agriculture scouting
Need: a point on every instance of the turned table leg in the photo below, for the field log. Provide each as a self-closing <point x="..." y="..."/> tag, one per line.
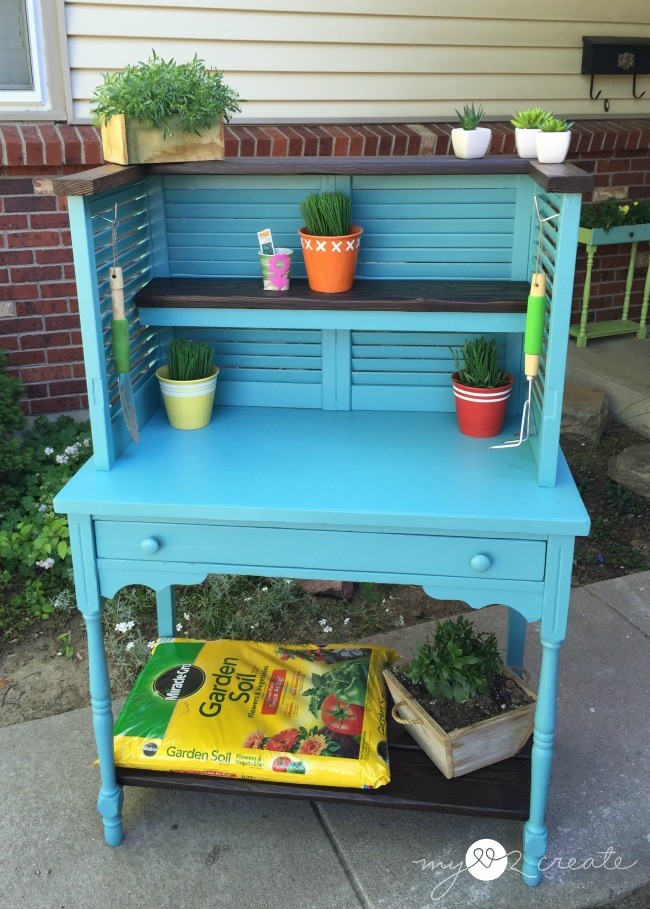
<point x="629" y="281"/>
<point x="581" y="340"/>
<point x="642" y="333"/>
<point x="90" y="604"/>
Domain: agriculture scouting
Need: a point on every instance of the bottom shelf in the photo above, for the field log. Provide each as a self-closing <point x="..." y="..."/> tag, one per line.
<point x="606" y="329"/>
<point x="499" y="791"/>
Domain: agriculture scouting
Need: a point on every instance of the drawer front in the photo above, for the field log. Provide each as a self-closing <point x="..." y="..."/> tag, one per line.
<point x="327" y="550"/>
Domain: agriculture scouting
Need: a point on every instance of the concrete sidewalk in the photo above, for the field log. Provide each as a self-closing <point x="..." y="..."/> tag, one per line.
<point x="186" y="850"/>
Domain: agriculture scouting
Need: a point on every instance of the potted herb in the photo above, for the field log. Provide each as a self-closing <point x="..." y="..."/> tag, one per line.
<point x="460" y="703"/>
<point x="481" y="389"/>
<point x="188" y="383"/>
<point x="330" y="243"/>
<point x="553" y="141"/>
<point x="470" y="140"/>
<point x="527" y="124"/>
<point x="161" y="111"/>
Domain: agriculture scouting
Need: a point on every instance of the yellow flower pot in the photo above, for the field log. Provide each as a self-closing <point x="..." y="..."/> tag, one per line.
<point x="188" y="404"/>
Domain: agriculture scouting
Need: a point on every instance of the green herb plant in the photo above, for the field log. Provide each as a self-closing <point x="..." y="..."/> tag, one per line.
<point x="470" y="117"/>
<point x="189" y="360"/>
<point x="479" y="368"/>
<point x="553" y="125"/>
<point x="615" y="213"/>
<point x="162" y="93"/>
<point x="326" y="214"/>
<point x="532" y="118"/>
<point x="458" y="664"/>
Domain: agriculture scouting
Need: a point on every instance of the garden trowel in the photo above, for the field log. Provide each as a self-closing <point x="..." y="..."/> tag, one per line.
<point x="120" y="338"/>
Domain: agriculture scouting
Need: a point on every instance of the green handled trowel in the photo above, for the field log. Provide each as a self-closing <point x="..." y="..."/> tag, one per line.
<point x="533" y="340"/>
<point x="120" y="338"/>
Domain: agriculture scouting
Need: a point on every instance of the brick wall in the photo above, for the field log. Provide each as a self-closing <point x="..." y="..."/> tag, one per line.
<point x="38" y="308"/>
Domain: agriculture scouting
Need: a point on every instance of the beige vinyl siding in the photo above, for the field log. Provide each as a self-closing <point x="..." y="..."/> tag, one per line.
<point x="355" y="60"/>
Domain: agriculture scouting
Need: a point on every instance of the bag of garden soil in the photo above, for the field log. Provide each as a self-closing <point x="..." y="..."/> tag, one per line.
<point x="241" y="709"/>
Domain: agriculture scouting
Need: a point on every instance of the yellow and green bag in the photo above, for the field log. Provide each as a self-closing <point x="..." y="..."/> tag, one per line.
<point x="241" y="709"/>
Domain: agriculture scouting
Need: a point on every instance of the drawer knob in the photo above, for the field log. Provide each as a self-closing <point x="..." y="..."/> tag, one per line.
<point x="150" y="545"/>
<point x="480" y="562"/>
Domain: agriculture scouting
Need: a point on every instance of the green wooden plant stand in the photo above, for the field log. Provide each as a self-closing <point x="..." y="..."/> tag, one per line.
<point x="593" y="238"/>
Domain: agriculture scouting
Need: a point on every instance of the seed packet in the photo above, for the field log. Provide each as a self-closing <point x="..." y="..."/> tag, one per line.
<point x="265" y="240"/>
<point x="247" y="710"/>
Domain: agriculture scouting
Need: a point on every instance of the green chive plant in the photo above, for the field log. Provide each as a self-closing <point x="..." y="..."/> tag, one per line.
<point x="553" y="125"/>
<point x="162" y="93"/>
<point x="532" y="118"/>
<point x="470" y="117"/>
<point x="480" y="367"/>
<point x="326" y="214"/>
<point x="189" y="360"/>
<point x="458" y="664"/>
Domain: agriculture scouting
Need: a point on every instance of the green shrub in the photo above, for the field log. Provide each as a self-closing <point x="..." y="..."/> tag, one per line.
<point x="14" y="459"/>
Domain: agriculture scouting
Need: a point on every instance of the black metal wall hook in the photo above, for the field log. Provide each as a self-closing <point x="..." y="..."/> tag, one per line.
<point x="596" y="97"/>
<point x="634" y="94"/>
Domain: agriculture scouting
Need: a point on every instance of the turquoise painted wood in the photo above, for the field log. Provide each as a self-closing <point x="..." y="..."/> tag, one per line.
<point x="333" y="448"/>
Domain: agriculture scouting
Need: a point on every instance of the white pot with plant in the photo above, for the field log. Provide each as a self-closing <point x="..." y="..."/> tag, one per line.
<point x="451" y="698"/>
<point x="188" y="384"/>
<point x="527" y="125"/>
<point x="161" y="111"/>
<point x="470" y="140"/>
<point x="553" y="141"/>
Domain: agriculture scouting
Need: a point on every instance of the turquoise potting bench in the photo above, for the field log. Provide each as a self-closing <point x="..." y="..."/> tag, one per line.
<point x="592" y="238"/>
<point x="333" y="449"/>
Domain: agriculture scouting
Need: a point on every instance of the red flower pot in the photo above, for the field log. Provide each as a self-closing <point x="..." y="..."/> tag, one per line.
<point x="481" y="411"/>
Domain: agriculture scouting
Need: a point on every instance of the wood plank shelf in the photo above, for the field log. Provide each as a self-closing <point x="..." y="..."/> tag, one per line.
<point x="370" y="296"/>
<point x="500" y="791"/>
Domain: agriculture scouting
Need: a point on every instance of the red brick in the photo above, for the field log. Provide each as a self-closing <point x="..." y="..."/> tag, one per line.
<point x="14" y="186"/>
<point x="58" y="289"/>
<point x="41" y="307"/>
<point x="19" y="292"/>
<point x="262" y="142"/>
<point x="46" y="373"/>
<point x="68" y="271"/>
<point x="23" y="357"/>
<point x="78" y="368"/>
<point x="26" y="326"/>
<point x="279" y="142"/>
<point x="13" y="144"/>
<point x="296" y="141"/>
<point x="19" y="275"/>
<point x="72" y="144"/>
<point x="67" y="387"/>
<point x="47" y="256"/>
<point x="13" y="222"/>
<point x="55" y="323"/>
<point x="30" y="203"/>
<point x="64" y="355"/>
<point x="75" y="338"/>
<point x="56" y="405"/>
<point x="53" y="145"/>
<point x="35" y="238"/>
<point x="35" y="391"/>
<point x="246" y="143"/>
<point x="4" y="275"/>
<point x="44" y="220"/>
<point x="325" y="141"/>
<point x="8" y="342"/>
<point x="33" y="144"/>
<point x="371" y="140"/>
<point x="40" y="341"/>
<point x="18" y="257"/>
<point x="311" y="143"/>
<point x="231" y="143"/>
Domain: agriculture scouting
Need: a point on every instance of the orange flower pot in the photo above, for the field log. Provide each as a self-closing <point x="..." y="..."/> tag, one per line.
<point x="330" y="261"/>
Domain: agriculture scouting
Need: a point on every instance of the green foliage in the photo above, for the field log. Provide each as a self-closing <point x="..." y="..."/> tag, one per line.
<point x="327" y="214"/>
<point x="159" y="92"/>
<point x="458" y="664"/>
<point x="190" y="360"/>
<point x="480" y="368"/>
<point x="470" y="117"/>
<point x="532" y="118"/>
<point x="615" y="213"/>
<point x="553" y="125"/>
<point x="14" y="460"/>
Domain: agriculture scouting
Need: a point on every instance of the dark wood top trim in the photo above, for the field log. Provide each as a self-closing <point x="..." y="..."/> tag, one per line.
<point x="552" y="177"/>
<point x="374" y="296"/>
<point x="98" y="180"/>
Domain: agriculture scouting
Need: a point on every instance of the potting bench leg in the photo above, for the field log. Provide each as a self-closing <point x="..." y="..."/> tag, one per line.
<point x="516" y="638"/>
<point x="90" y="604"/>
<point x="581" y="340"/>
<point x="642" y="333"/>
<point x="555" y="610"/>
<point x="628" y="282"/>
<point x="166" y="610"/>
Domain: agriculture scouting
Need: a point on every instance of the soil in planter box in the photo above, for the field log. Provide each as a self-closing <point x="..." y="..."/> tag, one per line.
<point x="503" y="695"/>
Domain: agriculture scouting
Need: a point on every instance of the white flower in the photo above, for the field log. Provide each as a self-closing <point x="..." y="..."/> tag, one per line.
<point x="42" y="507"/>
<point x="179" y="626"/>
<point x="264" y="589"/>
<point x="123" y="627"/>
<point x="322" y="622"/>
<point x="327" y="629"/>
<point x="400" y="620"/>
<point x="61" y="459"/>
<point x="151" y="645"/>
<point x="186" y="617"/>
<point x="256" y="625"/>
<point x="86" y="443"/>
<point x="287" y="580"/>
<point x="48" y="450"/>
<point x="72" y="449"/>
<point x="130" y="645"/>
<point x="247" y="599"/>
<point x="46" y="563"/>
<point x="346" y="621"/>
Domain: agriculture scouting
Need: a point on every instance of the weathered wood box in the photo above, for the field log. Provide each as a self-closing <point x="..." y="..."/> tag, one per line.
<point x="130" y="142"/>
<point x="463" y="750"/>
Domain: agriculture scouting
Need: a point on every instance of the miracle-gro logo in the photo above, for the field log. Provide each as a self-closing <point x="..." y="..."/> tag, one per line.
<point x="179" y="682"/>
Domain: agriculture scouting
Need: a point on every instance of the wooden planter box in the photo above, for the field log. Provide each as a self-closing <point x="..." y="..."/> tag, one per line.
<point x="598" y="236"/>
<point x="463" y="750"/>
<point x="129" y="142"/>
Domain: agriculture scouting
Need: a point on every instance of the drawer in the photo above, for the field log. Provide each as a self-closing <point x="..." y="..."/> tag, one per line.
<point x="334" y="551"/>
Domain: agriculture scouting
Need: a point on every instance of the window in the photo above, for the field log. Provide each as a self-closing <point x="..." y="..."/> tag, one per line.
<point x="32" y="56"/>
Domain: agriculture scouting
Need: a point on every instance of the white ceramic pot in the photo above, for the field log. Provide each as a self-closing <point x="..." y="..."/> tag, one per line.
<point x="525" y="142"/>
<point x="471" y="143"/>
<point x="552" y="148"/>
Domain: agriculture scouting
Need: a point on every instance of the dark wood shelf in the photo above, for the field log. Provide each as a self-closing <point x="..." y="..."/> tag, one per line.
<point x="565" y="178"/>
<point x="374" y="296"/>
<point x="499" y="791"/>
